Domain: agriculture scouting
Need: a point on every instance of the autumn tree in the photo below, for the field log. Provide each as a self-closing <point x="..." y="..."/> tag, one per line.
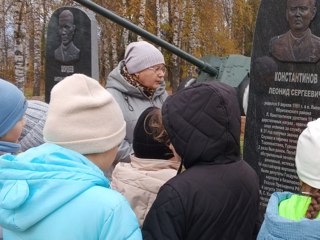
<point x="243" y="23"/>
<point x="6" y="41"/>
<point x="201" y="28"/>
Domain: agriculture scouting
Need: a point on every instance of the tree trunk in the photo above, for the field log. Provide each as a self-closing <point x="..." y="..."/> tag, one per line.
<point x="142" y="14"/>
<point x="37" y="48"/>
<point x="193" y="33"/>
<point x="43" y="38"/>
<point x="19" y="34"/>
<point x="4" y="43"/>
<point x="114" y="45"/>
<point x="3" y="50"/>
<point x="158" y="20"/>
<point x="227" y="13"/>
<point x="106" y="64"/>
<point x="175" y="40"/>
<point x="125" y="33"/>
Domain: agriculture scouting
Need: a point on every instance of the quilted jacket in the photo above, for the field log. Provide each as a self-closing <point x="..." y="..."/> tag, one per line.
<point x="216" y="197"/>
<point x="140" y="180"/>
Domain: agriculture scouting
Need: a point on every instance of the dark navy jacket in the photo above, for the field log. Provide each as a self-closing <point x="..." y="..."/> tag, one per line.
<point x="217" y="196"/>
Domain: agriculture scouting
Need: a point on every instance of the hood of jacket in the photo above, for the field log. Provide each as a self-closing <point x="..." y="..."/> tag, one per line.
<point x="278" y="227"/>
<point x="116" y="80"/>
<point x="39" y="181"/>
<point x="203" y="123"/>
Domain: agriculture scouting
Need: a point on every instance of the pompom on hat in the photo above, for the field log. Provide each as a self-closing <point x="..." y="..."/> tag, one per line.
<point x="35" y="117"/>
<point x="13" y="105"/>
<point x="143" y="144"/>
<point x="307" y="159"/>
<point x="83" y="116"/>
<point x="141" y="55"/>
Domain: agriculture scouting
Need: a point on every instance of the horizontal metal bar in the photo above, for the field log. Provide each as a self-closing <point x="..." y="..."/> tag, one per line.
<point x="143" y="33"/>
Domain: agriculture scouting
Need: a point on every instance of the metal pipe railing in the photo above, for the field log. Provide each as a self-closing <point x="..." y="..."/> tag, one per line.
<point x="203" y="66"/>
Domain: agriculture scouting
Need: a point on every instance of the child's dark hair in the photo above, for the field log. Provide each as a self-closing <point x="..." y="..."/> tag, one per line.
<point x="314" y="207"/>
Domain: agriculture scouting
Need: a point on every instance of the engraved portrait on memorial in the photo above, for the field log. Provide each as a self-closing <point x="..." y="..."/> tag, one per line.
<point x="67" y="53"/>
<point x="298" y="44"/>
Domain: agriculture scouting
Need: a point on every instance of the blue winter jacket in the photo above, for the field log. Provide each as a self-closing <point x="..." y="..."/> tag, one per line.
<point x="276" y="227"/>
<point x="54" y="193"/>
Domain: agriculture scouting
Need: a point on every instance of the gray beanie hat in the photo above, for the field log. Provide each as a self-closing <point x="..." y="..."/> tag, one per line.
<point x="35" y="118"/>
<point x="141" y="55"/>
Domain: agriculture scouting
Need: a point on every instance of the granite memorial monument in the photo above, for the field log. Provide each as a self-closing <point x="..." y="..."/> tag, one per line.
<point x="72" y="46"/>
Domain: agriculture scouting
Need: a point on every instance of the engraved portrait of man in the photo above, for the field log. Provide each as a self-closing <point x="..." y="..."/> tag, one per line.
<point x="298" y="44"/>
<point x="67" y="53"/>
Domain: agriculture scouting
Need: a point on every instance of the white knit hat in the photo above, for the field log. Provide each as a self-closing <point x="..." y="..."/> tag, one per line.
<point x="141" y="55"/>
<point x="83" y="116"/>
<point x="307" y="158"/>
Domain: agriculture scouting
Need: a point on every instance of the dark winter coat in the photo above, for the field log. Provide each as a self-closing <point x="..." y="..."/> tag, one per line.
<point x="217" y="196"/>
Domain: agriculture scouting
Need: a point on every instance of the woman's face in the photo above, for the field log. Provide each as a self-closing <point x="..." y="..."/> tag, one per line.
<point x="14" y="134"/>
<point x="152" y="77"/>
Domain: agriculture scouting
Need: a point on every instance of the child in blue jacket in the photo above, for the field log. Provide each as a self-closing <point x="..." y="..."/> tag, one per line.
<point x="13" y="105"/>
<point x="58" y="190"/>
